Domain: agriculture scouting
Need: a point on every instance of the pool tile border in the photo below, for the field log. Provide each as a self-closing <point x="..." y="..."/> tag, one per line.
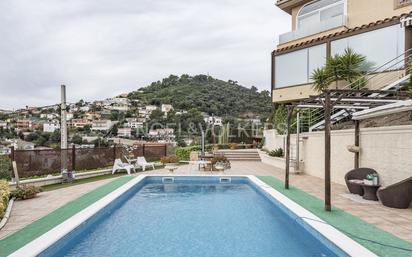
<point x="46" y="240"/>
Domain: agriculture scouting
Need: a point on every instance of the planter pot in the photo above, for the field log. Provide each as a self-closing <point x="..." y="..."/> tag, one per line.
<point x="171" y="166"/>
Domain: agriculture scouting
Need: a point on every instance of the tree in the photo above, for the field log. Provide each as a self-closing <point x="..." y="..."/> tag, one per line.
<point x="77" y="139"/>
<point x="321" y="79"/>
<point x="350" y="67"/>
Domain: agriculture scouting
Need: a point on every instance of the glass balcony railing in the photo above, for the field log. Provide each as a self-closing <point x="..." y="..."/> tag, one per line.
<point x="312" y="29"/>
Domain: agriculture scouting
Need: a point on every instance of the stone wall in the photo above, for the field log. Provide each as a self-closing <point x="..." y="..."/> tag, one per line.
<point x="386" y="149"/>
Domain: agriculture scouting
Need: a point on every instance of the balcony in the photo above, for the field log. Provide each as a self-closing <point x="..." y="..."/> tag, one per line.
<point x="329" y="24"/>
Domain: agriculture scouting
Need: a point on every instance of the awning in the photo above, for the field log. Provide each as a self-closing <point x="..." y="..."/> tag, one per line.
<point x="387" y="109"/>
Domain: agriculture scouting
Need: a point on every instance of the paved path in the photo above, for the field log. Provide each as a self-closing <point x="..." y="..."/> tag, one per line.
<point x="395" y="221"/>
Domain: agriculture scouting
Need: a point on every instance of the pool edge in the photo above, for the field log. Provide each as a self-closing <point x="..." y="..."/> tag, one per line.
<point x="40" y="244"/>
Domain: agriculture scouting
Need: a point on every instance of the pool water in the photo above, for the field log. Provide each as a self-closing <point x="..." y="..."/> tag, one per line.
<point x="193" y="219"/>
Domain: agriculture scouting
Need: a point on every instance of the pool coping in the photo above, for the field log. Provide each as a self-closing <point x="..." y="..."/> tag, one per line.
<point x="342" y="241"/>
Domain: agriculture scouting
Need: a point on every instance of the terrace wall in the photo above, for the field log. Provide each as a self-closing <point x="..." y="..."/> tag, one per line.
<point x="386" y="149"/>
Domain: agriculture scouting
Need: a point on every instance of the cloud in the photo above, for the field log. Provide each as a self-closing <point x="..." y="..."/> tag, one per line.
<point x="100" y="48"/>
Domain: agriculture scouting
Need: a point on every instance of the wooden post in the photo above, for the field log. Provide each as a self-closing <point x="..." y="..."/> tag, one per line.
<point x="143" y="145"/>
<point x="328" y="107"/>
<point x="287" y="155"/>
<point x="73" y="157"/>
<point x="165" y="149"/>
<point x="114" y="152"/>
<point x="16" y="173"/>
<point x="357" y="137"/>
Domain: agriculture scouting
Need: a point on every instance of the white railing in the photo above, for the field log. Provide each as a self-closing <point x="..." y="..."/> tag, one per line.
<point x="329" y="24"/>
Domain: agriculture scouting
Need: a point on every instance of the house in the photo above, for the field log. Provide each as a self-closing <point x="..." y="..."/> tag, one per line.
<point x="4" y="150"/>
<point x="102" y="125"/>
<point x="51" y="126"/>
<point x="150" y="108"/>
<point x="25" y="124"/>
<point x="124" y="132"/>
<point x="69" y="116"/>
<point x="133" y="123"/>
<point x="92" y="116"/>
<point x="3" y="124"/>
<point x="121" y="107"/>
<point x="48" y="116"/>
<point x="166" y="108"/>
<point x="380" y="30"/>
<point x="79" y="123"/>
<point x="213" y="120"/>
<point x="165" y="134"/>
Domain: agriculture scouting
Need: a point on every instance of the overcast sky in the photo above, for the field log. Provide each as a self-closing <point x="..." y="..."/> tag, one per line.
<point x="101" y="48"/>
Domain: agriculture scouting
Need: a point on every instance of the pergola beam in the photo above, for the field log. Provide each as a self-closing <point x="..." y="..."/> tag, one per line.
<point x="341" y="99"/>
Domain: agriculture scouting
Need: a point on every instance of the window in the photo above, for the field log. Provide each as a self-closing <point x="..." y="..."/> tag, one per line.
<point x="379" y="46"/>
<point x="320" y="11"/>
<point x="296" y="67"/>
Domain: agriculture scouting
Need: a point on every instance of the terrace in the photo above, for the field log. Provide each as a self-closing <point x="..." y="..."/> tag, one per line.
<point x="363" y="221"/>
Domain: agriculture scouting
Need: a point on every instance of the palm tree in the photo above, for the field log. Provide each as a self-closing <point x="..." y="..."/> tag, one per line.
<point x="321" y="79"/>
<point x="350" y="67"/>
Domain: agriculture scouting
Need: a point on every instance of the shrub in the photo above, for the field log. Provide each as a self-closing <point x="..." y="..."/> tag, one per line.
<point x="5" y="167"/>
<point x="217" y="159"/>
<point x="183" y="153"/>
<point x="4" y="196"/>
<point x="26" y="192"/>
<point x="276" y="153"/>
<point x="169" y="159"/>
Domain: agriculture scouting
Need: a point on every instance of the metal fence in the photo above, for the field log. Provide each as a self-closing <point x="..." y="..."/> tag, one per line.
<point x="32" y="163"/>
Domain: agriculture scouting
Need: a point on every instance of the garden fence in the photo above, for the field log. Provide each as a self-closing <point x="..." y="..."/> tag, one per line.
<point x="31" y="163"/>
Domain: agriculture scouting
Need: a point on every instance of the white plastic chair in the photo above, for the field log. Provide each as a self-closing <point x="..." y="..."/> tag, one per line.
<point x="141" y="161"/>
<point x="119" y="165"/>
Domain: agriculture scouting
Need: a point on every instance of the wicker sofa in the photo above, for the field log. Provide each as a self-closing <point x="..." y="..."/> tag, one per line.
<point x="398" y="195"/>
<point x="354" y="179"/>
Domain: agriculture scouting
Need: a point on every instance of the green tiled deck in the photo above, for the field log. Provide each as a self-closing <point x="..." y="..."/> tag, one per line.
<point x="352" y="226"/>
<point x="41" y="226"/>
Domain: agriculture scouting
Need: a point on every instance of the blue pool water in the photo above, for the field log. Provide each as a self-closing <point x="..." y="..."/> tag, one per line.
<point x="193" y="218"/>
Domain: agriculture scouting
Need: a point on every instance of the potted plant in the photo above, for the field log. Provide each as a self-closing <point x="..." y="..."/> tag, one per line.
<point x="25" y="192"/>
<point x="171" y="162"/>
<point x="232" y="146"/>
<point x="220" y="163"/>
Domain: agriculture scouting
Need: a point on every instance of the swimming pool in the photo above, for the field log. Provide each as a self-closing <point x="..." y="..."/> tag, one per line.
<point x="208" y="216"/>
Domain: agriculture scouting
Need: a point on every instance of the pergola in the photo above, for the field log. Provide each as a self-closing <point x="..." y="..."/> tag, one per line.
<point x="350" y="101"/>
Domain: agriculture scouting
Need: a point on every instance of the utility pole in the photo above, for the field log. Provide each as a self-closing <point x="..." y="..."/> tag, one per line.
<point x="66" y="175"/>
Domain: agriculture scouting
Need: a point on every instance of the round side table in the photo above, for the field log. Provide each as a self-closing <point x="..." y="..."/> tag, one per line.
<point x="370" y="192"/>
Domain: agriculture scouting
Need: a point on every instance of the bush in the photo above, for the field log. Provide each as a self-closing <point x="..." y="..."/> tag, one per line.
<point x="183" y="153"/>
<point x="276" y="153"/>
<point x="5" y="167"/>
<point x="26" y="192"/>
<point x="169" y="159"/>
<point x="4" y="196"/>
<point x="217" y="159"/>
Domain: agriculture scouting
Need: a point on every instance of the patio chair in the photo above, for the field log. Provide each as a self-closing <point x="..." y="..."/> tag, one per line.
<point x="119" y="165"/>
<point x="141" y="161"/>
<point x="130" y="160"/>
<point x="398" y="195"/>
<point x="354" y="179"/>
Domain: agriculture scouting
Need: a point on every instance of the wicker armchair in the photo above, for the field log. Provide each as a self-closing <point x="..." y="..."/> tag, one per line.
<point x="354" y="178"/>
<point x="398" y="195"/>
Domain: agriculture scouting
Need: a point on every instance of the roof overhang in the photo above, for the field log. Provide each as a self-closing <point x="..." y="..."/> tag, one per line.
<point x="288" y="5"/>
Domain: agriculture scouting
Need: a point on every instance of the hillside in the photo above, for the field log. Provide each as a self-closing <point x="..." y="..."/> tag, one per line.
<point x="207" y="94"/>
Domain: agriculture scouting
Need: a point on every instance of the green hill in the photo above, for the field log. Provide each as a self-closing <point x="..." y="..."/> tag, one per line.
<point x="207" y="94"/>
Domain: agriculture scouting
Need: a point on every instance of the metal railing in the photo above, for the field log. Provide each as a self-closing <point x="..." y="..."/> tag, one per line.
<point x="384" y="71"/>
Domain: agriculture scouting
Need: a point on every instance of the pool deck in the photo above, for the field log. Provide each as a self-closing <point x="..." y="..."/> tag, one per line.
<point x="395" y="221"/>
